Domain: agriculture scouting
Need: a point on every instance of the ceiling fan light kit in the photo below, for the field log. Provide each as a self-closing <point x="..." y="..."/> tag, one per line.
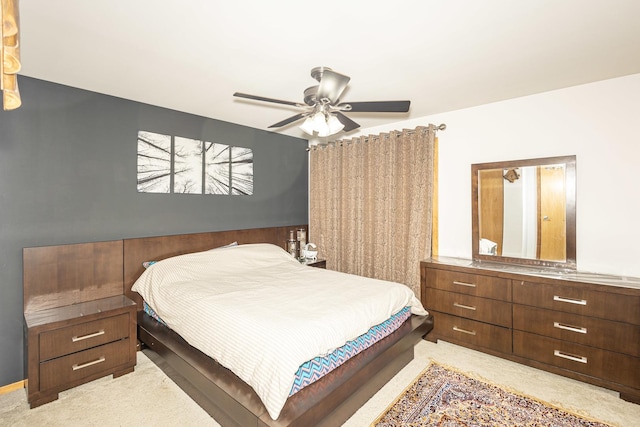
<point x="322" y="124"/>
<point x="323" y="112"/>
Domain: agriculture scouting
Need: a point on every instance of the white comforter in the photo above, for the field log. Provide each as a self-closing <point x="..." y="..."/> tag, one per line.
<point x="262" y="314"/>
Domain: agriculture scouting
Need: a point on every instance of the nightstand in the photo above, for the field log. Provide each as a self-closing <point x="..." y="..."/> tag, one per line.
<point x="74" y="344"/>
<point x="319" y="263"/>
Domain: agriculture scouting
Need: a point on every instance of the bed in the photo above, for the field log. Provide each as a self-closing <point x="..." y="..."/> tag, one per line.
<point x="329" y="400"/>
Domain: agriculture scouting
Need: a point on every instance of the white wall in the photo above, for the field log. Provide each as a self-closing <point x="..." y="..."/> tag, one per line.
<point x="598" y="122"/>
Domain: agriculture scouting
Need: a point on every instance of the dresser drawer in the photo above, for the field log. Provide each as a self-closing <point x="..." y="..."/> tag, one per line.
<point x="591" y="331"/>
<point x="59" y="342"/>
<point x="577" y="300"/>
<point x="467" y="331"/>
<point x="608" y="365"/>
<point x="67" y="369"/>
<point x="470" y="284"/>
<point x="471" y="307"/>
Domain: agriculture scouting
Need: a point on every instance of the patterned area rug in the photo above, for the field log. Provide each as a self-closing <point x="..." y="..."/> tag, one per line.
<point x="444" y="397"/>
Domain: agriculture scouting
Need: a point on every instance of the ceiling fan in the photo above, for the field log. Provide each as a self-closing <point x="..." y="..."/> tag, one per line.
<point x="323" y="111"/>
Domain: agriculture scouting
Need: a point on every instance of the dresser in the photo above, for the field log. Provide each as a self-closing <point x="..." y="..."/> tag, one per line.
<point x="78" y="324"/>
<point x="581" y="325"/>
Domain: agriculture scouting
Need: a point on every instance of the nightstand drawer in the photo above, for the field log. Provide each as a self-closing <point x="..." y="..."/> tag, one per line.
<point x="608" y="365"/>
<point x="71" y="339"/>
<point x="471" y="307"/>
<point x="67" y="369"/>
<point x="471" y="284"/>
<point x="470" y="332"/>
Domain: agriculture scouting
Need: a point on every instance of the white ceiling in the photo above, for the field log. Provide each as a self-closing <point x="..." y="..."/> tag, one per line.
<point x="443" y="55"/>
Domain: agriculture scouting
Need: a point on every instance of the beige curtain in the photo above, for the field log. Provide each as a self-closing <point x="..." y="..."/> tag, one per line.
<point x="371" y="204"/>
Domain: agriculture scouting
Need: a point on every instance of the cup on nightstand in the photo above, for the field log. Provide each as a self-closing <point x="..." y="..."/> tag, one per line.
<point x="310" y="251"/>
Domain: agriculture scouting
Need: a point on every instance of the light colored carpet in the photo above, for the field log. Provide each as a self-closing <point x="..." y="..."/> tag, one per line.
<point x="144" y="397"/>
<point x="148" y="397"/>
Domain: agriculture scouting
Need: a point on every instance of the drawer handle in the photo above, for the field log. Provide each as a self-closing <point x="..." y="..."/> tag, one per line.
<point x="471" y="285"/>
<point x="575" y="358"/>
<point x="569" y="327"/>
<point x="466" y="307"/>
<point x="75" y="367"/>
<point x="570" y="300"/>
<point x="85" y="337"/>
<point x="464" y="331"/>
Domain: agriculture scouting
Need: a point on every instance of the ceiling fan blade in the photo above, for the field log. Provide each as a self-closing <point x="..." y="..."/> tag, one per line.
<point x="262" y="98"/>
<point x="332" y="85"/>
<point x="378" y="106"/>
<point x="289" y="120"/>
<point x="349" y="124"/>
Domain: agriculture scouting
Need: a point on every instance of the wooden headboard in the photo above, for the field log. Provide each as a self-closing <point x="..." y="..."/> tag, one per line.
<point x="139" y="250"/>
<point x="56" y="276"/>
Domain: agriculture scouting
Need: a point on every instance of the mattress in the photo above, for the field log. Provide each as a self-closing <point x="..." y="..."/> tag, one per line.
<point x="261" y="314"/>
<point x="314" y="369"/>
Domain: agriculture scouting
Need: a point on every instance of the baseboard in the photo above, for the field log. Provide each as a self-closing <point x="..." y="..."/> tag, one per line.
<point x="13" y="387"/>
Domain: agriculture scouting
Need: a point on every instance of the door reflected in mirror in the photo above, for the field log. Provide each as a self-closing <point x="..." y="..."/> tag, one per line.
<point x="524" y="211"/>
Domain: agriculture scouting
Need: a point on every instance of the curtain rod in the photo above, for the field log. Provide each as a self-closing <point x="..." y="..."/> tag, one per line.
<point x="441" y="126"/>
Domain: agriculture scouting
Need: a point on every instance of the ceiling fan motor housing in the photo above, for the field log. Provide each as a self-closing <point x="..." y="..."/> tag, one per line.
<point x="310" y="95"/>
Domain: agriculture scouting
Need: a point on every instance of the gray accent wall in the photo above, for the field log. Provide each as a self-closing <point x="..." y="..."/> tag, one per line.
<point x="68" y="175"/>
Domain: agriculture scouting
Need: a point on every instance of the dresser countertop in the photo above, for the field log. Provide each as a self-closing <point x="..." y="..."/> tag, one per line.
<point x="546" y="272"/>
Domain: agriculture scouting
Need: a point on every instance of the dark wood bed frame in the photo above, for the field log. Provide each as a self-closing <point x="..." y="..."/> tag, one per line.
<point x="231" y="402"/>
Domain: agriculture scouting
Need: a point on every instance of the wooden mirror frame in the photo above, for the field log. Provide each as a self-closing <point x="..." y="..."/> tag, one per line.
<point x="570" y="192"/>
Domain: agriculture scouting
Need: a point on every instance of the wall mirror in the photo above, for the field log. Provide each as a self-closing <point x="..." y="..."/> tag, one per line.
<point x="524" y="211"/>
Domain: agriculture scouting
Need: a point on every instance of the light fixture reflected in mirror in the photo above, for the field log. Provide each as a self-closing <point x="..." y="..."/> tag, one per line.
<point x="10" y="52"/>
<point x="321" y="123"/>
